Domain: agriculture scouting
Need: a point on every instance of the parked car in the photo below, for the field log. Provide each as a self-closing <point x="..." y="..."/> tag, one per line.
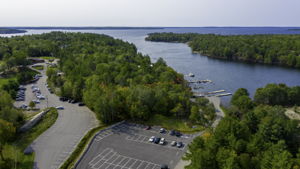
<point x="81" y="104"/>
<point x="59" y="107"/>
<point x="173" y="143"/>
<point x="178" y="134"/>
<point x="156" y="140"/>
<point x="172" y="132"/>
<point x="179" y="144"/>
<point x="164" y="166"/>
<point x="63" y="99"/>
<point x="162" y="141"/>
<point x="148" y="128"/>
<point x="151" y="139"/>
<point x="73" y="101"/>
<point x="41" y="97"/>
<point x="23" y="106"/>
<point x="162" y="130"/>
<point x="36" y="101"/>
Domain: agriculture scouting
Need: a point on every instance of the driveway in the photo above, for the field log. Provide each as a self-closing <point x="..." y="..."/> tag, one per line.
<point x="54" y="146"/>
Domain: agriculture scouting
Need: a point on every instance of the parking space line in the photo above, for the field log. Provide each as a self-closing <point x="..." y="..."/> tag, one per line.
<point x="99" y="155"/>
<point x="145" y="140"/>
<point x="102" y="161"/>
<point x="133" y="163"/>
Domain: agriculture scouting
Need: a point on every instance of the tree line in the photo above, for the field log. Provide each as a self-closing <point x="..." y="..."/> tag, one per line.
<point x="108" y="74"/>
<point x="253" y="135"/>
<point x="283" y="50"/>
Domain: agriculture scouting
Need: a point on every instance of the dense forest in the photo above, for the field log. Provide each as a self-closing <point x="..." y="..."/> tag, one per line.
<point x="283" y="50"/>
<point x="109" y="75"/>
<point x="253" y="135"/>
<point x="10" y="31"/>
<point x="10" y="120"/>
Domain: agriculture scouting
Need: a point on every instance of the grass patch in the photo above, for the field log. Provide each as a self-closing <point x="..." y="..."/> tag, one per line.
<point x="29" y="114"/>
<point x="171" y="123"/>
<point x="47" y="57"/>
<point x="70" y="162"/>
<point x="38" y="67"/>
<point x="4" y="81"/>
<point x="14" y="152"/>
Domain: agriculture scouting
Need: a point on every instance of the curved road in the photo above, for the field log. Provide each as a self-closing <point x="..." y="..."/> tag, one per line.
<point x="219" y="115"/>
<point x="54" y="146"/>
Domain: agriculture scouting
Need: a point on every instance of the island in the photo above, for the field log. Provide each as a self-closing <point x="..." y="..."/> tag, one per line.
<point x="11" y="31"/>
<point x="282" y="50"/>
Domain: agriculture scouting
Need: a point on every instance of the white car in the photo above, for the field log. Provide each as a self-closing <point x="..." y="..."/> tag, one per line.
<point x="36" y="101"/>
<point x="162" y="141"/>
<point x="173" y="143"/>
<point x="59" y="107"/>
<point x="41" y="97"/>
<point x="151" y="139"/>
<point x="162" y="130"/>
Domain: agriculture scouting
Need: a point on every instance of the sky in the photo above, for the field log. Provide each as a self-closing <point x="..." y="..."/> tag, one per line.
<point x="168" y="13"/>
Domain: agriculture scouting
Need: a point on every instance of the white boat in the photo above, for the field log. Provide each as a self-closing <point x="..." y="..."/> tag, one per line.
<point x="191" y="75"/>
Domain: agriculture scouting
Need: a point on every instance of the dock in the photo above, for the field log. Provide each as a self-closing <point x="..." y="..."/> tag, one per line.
<point x="224" y="94"/>
<point x="200" y="81"/>
<point x="217" y="93"/>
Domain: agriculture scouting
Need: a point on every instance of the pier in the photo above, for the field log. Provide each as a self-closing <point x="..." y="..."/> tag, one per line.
<point x="200" y="81"/>
<point x="217" y="93"/>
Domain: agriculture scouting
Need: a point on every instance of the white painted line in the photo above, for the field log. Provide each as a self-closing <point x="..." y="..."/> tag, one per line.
<point x="133" y="163"/>
<point x="140" y="163"/>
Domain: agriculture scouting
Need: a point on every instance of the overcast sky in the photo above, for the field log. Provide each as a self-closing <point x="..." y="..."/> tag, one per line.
<point x="149" y="12"/>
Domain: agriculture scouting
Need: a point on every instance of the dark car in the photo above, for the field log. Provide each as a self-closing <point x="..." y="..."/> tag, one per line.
<point x="179" y="144"/>
<point x="156" y="140"/>
<point x="63" y="99"/>
<point x="178" y="134"/>
<point x="172" y="132"/>
<point x="73" y="101"/>
<point x="148" y="128"/>
<point x="81" y="104"/>
<point x="164" y="166"/>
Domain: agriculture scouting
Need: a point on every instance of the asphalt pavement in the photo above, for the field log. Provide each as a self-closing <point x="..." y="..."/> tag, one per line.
<point x="127" y="146"/>
<point x="54" y="146"/>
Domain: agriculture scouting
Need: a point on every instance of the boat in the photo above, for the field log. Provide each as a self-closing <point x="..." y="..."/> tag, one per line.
<point x="191" y="75"/>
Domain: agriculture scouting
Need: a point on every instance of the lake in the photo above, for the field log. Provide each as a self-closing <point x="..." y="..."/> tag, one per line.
<point x="225" y="75"/>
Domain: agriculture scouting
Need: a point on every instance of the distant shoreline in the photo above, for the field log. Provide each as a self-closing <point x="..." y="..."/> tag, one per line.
<point x="82" y="28"/>
<point x="11" y="31"/>
<point x="294" y="29"/>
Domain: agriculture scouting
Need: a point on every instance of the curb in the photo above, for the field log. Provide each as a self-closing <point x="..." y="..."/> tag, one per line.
<point x="92" y="140"/>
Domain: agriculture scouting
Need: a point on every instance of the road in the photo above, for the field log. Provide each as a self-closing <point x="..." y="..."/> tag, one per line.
<point x="219" y="115"/>
<point x="54" y="146"/>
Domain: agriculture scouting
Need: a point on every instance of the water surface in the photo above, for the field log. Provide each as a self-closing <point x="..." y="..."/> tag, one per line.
<point x="225" y="75"/>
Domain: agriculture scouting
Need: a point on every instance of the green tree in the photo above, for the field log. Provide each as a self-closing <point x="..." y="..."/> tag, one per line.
<point x="7" y="132"/>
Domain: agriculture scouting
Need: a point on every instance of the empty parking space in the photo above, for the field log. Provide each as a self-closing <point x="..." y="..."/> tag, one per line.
<point x="103" y="134"/>
<point x="127" y="146"/>
<point x="109" y="159"/>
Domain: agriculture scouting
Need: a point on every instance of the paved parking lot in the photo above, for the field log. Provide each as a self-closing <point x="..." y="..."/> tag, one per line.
<point x="127" y="146"/>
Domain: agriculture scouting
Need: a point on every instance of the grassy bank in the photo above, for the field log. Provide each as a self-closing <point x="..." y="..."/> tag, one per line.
<point x="70" y="162"/>
<point x="171" y="123"/>
<point x="13" y="153"/>
<point x="38" y="67"/>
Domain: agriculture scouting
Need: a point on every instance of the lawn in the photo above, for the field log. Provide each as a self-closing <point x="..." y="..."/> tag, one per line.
<point x="14" y="152"/>
<point x="47" y="57"/>
<point x="172" y="123"/>
<point x="4" y="81"/>
<point x="38" y="67"/>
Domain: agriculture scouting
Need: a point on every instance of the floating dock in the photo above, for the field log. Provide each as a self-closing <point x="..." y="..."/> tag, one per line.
<point x="224" y="94"/>
<point x="217" y="93"/>
<point x="200" y="81"/>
